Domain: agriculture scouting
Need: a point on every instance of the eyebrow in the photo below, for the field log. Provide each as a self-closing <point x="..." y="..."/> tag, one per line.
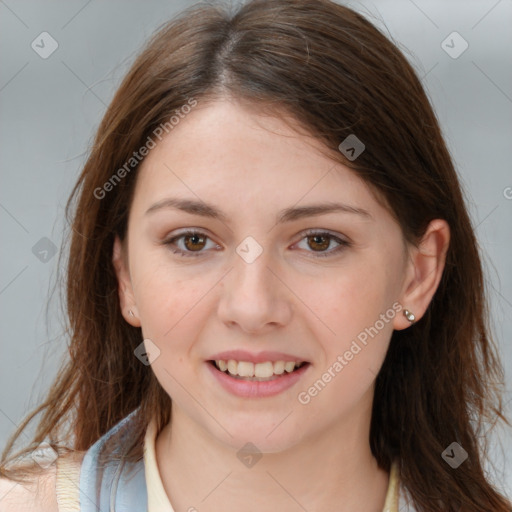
<point x="287" y="215"/>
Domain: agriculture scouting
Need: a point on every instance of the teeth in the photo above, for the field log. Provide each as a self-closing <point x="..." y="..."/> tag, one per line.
<point x="260" y="370"/>
<point x="244" y="369"/>
<point x="279" y="367"/>
<point x="289" y="366"/>
<point x="233" y="367"/>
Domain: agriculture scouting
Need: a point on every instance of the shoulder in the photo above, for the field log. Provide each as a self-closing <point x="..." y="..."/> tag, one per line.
<point x="39" y="494"/>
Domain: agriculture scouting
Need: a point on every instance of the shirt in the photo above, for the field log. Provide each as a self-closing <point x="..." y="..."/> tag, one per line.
<point x="139" y="487"/>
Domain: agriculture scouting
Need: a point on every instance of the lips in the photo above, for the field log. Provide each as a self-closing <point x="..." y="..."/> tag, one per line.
<point x="256" y="387"/>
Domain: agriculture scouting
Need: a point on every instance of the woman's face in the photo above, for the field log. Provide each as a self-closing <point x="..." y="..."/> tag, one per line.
<point x="271" y="273"/>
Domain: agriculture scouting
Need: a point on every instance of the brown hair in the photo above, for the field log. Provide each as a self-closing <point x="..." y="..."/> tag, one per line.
<point x="337" y="74"/>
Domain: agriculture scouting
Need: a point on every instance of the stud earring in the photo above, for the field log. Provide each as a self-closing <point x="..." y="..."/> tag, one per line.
<point x="130" y="312"/>
<point x="410" y="316"/>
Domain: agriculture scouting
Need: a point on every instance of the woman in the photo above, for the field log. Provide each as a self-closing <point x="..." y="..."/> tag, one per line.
<point x="274" y="290"/>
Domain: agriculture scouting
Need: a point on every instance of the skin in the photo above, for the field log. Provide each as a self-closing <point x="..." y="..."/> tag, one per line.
<point x="290" y="299"/>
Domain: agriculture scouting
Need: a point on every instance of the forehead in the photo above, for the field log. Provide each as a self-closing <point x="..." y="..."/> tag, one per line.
<point x="229" y="132"/>
<point x="227" y="145"/>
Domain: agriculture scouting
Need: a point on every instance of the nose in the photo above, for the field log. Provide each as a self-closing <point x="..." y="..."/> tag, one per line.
<point x="255" y="297"/>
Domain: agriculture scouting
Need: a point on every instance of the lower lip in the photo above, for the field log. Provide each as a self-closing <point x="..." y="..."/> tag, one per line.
<point x="257" y="389"/>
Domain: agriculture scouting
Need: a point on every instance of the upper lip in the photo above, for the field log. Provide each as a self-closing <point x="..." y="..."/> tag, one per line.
<point x="260" y="357"/>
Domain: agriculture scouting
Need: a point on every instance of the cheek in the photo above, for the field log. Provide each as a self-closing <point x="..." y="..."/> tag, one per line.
<point x="170" y="314"/>
<point x="354" y="299"/>
<point x="349" y="365"/>
<point x="173" y="311"/>
<point x="166" y="294"/>
<point x="357" y="308"/>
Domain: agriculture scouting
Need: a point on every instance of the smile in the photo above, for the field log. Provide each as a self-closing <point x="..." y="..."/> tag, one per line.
<point x="265" y="370"/>
<point x="250" y="380"/>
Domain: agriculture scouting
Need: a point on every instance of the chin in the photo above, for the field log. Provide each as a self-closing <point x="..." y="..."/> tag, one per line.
<point x="265" y="436"/>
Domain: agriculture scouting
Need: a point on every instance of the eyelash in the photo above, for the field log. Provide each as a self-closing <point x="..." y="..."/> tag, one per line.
<point x="343" y="243"/>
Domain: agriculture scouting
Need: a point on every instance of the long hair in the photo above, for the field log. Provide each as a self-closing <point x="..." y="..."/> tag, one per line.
<point x="336" y="74"/>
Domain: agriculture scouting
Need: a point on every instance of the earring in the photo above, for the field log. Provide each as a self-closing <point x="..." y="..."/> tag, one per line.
<point x="410" y="316"/>
<point x="130" y="312"/>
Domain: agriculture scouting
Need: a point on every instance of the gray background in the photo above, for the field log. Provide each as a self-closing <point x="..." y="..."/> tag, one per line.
<point x="52" y="107"/>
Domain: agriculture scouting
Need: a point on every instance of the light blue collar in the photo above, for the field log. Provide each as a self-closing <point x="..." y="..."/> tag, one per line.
<point x="122" y="485"/>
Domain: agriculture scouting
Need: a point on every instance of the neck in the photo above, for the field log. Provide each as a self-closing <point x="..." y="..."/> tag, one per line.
<point x="332" y="471"/>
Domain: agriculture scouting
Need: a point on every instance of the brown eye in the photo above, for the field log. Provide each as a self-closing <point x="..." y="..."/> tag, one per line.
<point x="193" y="241"/>
<point x="319" y="242"/>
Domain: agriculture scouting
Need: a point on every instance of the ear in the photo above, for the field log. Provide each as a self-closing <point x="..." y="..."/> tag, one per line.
<point x="125" y="290"/>
<point x="424" y="271"/>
